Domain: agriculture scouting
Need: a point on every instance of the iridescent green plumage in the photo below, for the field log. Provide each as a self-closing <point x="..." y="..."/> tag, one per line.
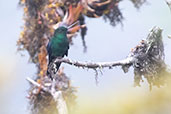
<point x="58" y="45"/>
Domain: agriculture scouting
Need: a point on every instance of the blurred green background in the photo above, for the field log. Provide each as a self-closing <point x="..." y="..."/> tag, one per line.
<point x="105" y="43"/>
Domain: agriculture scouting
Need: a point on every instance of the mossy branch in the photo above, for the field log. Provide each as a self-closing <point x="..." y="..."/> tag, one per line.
<point x="147" y="59"/>
<point x="95" y="65"/>
<point x="57" y="95"/>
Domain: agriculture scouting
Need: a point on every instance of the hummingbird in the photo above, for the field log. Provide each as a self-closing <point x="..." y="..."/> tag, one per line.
<point x="58" y="45"/>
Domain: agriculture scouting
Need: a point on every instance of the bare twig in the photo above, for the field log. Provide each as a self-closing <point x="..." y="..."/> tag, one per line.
<point x="37" y="85"/>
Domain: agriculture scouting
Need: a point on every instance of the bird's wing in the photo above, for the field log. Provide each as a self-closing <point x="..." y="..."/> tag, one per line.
<point x="48" y="46"/>
<point x="66" y="53"/>
<point x="49" y="51"/>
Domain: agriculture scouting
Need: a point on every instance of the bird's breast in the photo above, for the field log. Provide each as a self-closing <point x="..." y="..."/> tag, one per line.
<point x="59" y="47"/>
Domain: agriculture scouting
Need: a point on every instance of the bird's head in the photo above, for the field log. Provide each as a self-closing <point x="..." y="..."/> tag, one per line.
<point x="69" y="23"/>
<point x="63" y="28"/>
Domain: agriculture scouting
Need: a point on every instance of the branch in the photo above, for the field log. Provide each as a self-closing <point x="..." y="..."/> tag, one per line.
<point x="147" y="60"/>
<point x="57" y="95"/>
<point x="169" y="36"/>
<point x="37" y="85"/>
<point x="95" y="65"/>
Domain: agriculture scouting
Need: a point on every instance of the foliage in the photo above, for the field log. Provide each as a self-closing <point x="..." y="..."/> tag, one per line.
<point x="149" y="60"/>
<point x="138" y="3"/>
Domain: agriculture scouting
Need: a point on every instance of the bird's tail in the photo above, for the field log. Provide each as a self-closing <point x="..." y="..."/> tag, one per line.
<point x="57" y="68"/>
<point x="57" y="65"/>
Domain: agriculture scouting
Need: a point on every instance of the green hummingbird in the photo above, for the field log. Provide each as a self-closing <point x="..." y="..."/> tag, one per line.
<point x="58" y="45"/>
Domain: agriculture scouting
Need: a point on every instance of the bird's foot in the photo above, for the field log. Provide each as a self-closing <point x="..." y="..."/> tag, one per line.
<point x="54" y="67"/>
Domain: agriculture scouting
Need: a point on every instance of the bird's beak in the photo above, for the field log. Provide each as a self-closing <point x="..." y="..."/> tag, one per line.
<point x="76" y="28"/>
<point x="72" y="25"/>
